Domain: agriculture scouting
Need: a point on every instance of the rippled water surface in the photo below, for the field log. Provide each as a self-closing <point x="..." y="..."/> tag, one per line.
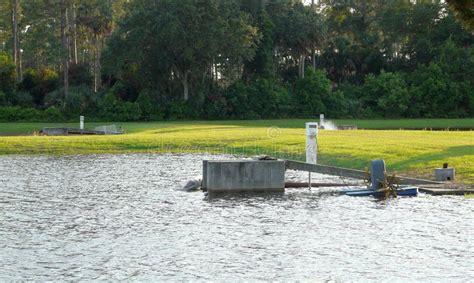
<point x="121" y="217"/>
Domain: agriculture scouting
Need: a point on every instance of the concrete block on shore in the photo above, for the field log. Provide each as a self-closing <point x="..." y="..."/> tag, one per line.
<point x="444" y="174"/>
<point x="244" y="175"/>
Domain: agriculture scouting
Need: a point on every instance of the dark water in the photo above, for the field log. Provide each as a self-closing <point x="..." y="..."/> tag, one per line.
<point x="120" y="217"/>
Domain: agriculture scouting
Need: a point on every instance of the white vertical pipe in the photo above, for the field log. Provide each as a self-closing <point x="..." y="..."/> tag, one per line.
<point x="312" y="142"/>
<point x="81" y="122"/>
<point x="311" y="146"/>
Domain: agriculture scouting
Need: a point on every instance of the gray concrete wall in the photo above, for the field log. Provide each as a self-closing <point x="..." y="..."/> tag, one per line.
<point x="244" y="175"/>
<point x="444" y="174"/>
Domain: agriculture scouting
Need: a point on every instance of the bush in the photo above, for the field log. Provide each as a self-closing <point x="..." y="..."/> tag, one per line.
<point x="15" y="113"/>
<point x="150" y="106"/>
<point x="7" y="75"/>
<point x="53" y="114"/>
<point x="386" y="95"/>
<point x="3" y="99"/>
<point x="130" y="111"/>
<point x="80" y="74"/>
<point x="216" y="107"/>
<point x="123" y="91"/>
<point x="179" y="109"/>
<point x="21" y="98"/>
<point x="39" y="83"/>
<point x="80" y="100"/>
<point x="310" y="94"/>
<point x="337" y="105"/>
<point x="260" y="98"/>
<point x="114" y="109"/>
<point x="435" y="94"/>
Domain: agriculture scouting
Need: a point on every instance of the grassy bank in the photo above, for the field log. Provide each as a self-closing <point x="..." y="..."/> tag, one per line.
<point x="408" y="152"/>
<point x="133" y="127"/>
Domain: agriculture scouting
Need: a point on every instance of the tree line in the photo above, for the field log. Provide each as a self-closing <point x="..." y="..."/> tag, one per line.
<point x="242" y="59"/>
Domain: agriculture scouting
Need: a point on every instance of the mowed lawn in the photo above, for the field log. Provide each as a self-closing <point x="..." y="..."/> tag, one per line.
<point x="408" y="152"/>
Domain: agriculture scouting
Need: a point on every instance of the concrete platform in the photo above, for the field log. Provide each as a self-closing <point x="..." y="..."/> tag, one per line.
<point x="243" y="176"/>
<point x="72" y="131"/>
<point x="447" y="189"/>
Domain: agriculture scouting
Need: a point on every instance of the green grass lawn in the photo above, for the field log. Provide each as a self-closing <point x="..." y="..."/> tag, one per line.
<point x="133" y="127"/>
<point x="414" y="153"/>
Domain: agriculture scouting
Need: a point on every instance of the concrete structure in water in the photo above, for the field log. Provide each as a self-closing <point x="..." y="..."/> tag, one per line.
<point x="243" y="175"/>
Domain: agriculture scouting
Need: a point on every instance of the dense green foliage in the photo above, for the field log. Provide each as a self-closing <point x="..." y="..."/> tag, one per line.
<point x="237" y="59"/>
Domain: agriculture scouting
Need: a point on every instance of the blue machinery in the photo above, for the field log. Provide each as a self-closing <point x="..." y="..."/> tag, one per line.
<point x="382" y="185"/>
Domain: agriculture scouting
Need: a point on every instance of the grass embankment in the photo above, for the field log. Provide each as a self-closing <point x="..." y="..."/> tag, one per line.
<point x="132" y="127"/>
<point x="414" y="153"/>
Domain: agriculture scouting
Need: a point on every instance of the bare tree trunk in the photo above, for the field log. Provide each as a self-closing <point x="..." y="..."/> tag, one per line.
<point x="313" y="52"/>
<point x="301" y="67"/>
<point x="74" y="30"/>
<point x="16" y="42"/>
<point x="97" y="67"/>
<point x="185" y="82"/>
<point x="20" y="64"/>
<point x="65" y="46"/>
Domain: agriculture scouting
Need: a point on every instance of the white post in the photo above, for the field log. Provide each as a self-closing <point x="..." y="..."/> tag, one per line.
<point x="321" y="120"/>
<point x="311" y="145"/>
<point x="81" y="122"/>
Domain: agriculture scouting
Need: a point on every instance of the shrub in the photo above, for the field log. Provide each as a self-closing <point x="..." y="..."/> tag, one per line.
<point x="123" y="91"/>
<point x="130" y="111"/>
<point x="386" y="94"/>
<point x="53" y="114"/>
<point x="259" y="98"/>
<point x="116" y="110"/>
<point x="150" y="106"/>
<point x="80" y="74"/>
<point x="337" y="105"/>
<point x="7" y="74"/>
<point x="80" y="100"/>
<point x="435" y="94"/>
<point x="3" y="98"/>
<point x="216" y="107"/>
<point x="39" y="83"/>
<point x="21" y="98"/>
<point x="15" y="113"/>
<point x="9" y="114"/>
<point x="179" y="109"/>
<point x="310" y="92"/>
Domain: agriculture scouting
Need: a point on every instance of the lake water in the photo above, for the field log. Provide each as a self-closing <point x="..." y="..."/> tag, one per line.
<point x="121" y="217"/>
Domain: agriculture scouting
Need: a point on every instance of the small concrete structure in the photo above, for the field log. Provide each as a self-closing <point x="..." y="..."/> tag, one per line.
<point x="444" y="174"/>
<point x="81" y="122"/>
<point x="243" y="176"/>
<point x="72" y="131"/>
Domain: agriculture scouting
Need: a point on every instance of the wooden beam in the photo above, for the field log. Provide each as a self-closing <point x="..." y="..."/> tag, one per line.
<point x="325" y="169"/>
<point x="348" y="173"/>
<point x="319" y="185"/>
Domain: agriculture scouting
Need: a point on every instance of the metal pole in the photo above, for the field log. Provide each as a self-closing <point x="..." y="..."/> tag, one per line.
<point x="309" y="179"/>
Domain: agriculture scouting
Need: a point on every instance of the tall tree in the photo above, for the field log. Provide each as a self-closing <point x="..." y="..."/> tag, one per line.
<point x="178" y="40"/>
<point x="16" y="41"/>
<point x="464" y="9"/>
<point x="65" y="45"/>
<point x="97" y="17"/>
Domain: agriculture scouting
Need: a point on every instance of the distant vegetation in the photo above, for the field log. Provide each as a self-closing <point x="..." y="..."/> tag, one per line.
<point x="144" y="60"/>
